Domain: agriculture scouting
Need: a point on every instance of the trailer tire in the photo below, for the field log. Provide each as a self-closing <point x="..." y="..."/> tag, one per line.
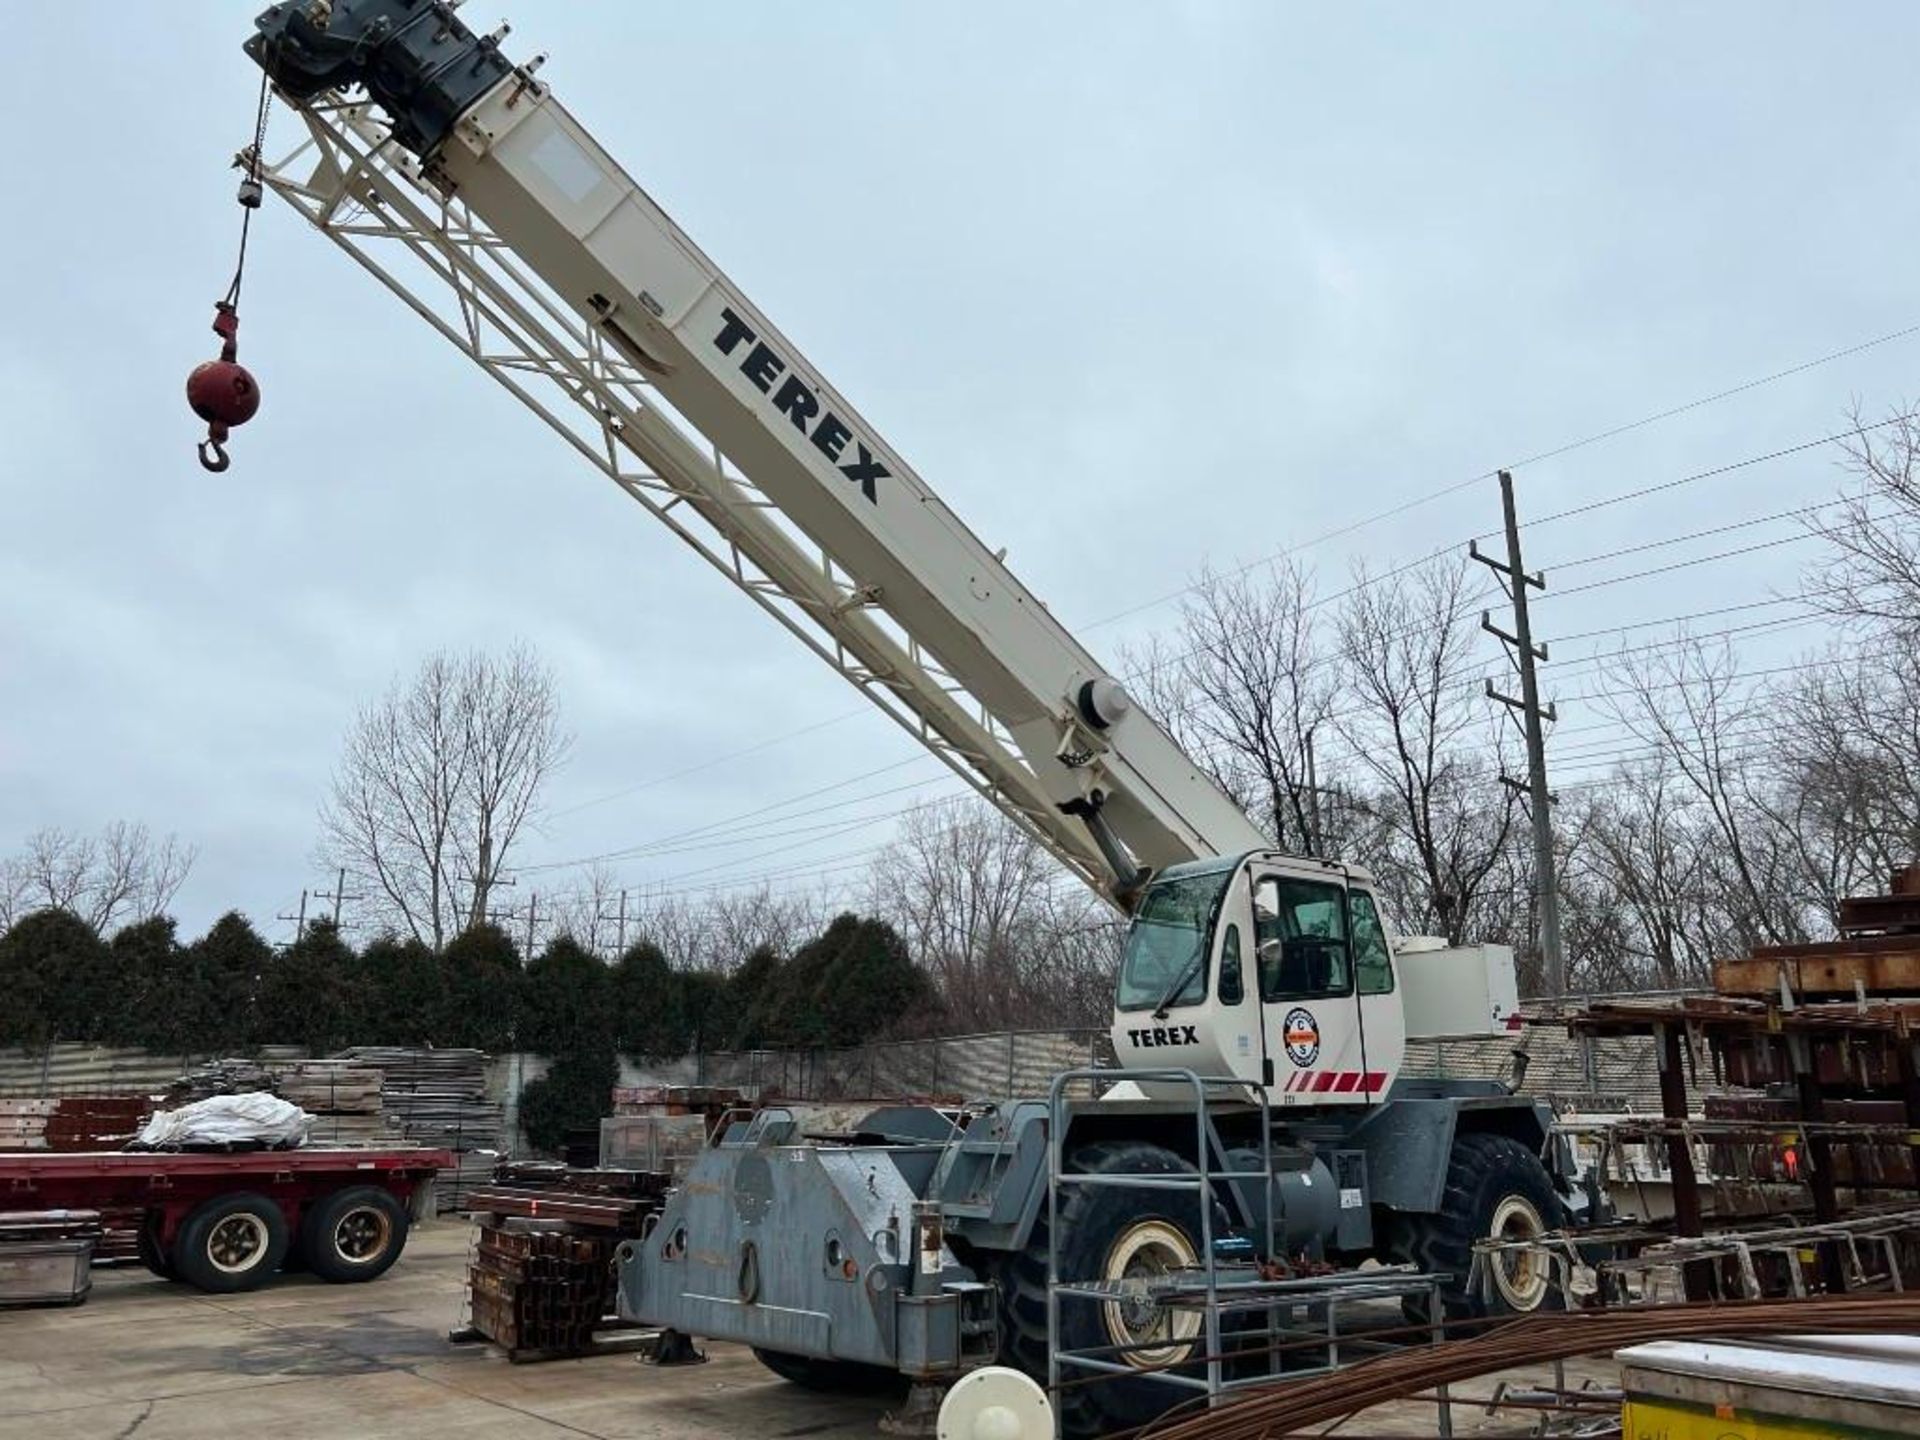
<point x="353" y="1235"/>
<point x="1495" y="1185"/>
<point x="152" y="1253"/>
<point x="231" y="1243"/>
<point x="840" y="1377"/>
<point x="1107" y="1232"/>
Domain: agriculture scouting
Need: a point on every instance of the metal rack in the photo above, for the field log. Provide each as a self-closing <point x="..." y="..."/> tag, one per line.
<point x="1303" y="1317"/>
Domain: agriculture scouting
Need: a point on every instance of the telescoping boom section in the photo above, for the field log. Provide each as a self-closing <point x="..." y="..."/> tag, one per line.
<point x="497" y="190"/>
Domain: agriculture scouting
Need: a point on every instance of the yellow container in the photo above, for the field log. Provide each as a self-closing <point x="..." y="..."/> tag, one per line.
<point x="1860" y="1387"/>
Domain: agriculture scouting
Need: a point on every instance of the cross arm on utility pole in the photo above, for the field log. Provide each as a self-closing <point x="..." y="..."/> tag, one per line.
<point x="1506" y="568"/>
<point x="1539" y="647"/>
<point x="1547" y="712"/>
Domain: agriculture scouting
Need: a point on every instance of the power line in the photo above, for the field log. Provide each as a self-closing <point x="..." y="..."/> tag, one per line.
<point x="1557" y="451"/>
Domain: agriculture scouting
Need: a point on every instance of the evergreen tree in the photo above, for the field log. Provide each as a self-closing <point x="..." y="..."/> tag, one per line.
<point x="309" y="993"/>
<point x="217" y="1004"/>
<point x="401" y="993"/>
<point x="871" y="986"/>
<point x="759" y="1005"/>
<point x="73" y="974"/>
<point x="566" y="997"/>
<point x="851" y="983"/>
<point x="573" y="1095"/>
<point x="483" y="980"/>
<point x="704" y="1005"/>
<point x="150" y="968"/>
<point x="41" y="955"/>
<point x="646" y="1004"/>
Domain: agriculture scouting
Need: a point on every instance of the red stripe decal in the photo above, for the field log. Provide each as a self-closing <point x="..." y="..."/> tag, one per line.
<point x="1347" y="1080"/>
<point x="1376" y="1080"/>
<point x="1323" y="1081"/>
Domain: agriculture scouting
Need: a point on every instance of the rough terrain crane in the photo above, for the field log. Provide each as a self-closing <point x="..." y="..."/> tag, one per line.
<point x="454" y="176"/>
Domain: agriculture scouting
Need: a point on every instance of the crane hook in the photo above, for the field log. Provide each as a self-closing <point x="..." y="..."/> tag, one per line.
<point x="213" y="455"/>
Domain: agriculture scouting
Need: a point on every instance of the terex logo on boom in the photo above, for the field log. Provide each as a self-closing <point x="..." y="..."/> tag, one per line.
<point x="795" y="399"/>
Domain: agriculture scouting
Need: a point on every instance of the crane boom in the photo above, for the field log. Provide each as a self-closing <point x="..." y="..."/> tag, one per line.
<point x="466" y="187"/>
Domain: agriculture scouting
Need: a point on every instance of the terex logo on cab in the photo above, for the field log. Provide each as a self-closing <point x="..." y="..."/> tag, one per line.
<point x="1165" y="1035"/>
<point x="797" y="401"/>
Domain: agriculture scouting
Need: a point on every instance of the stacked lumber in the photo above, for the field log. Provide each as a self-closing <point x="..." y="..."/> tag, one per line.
<point x="237" y="1076"/>
<point x="71" y="1123"/>
<point x="343" y="1096"/>
<point x="23" y="1123"/>
<point x="438" y="1098"/>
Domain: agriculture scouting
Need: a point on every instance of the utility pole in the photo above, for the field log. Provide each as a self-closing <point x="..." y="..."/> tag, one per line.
<point x="620" y="947"/>
<point x="300" y="920"/>
<point x="533" y="911"/>
<point x="1314" y="845"/>
<point x="337" y="895"/>
<point x="1524" y="653"/>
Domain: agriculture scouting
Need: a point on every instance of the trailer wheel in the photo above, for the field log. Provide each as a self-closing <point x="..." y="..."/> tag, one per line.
<point x="152" y="1253"/>
<point x="354" y="1234"/>
<point x="231" y="1243"/>
<point x="1123" y="1235"/>
<point x="1496" y="1189"/>
<point x="840" y="1377"/>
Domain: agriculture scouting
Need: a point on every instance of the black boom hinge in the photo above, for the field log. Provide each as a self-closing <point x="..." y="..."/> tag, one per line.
<point x="415" y="59"/>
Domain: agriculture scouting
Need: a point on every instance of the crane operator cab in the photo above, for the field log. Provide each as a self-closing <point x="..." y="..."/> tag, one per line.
<point x="1270" y="968"/>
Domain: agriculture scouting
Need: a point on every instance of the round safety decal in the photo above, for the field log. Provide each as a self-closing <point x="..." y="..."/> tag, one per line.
<point x="1301" y="1033"/>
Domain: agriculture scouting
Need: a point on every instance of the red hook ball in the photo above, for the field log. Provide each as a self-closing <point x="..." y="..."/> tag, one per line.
<point x="222" y="392"/>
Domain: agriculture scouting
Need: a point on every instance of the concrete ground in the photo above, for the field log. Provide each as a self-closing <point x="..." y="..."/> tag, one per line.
<point x="144" y="1359"/>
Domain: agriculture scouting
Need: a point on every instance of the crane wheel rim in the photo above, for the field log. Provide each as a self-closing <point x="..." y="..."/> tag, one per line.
<point x="1519" y="1275"/>
<point x="1140" y="1254"/>
<point x="236" y="1243"/>
<point x="362" y="1234"/>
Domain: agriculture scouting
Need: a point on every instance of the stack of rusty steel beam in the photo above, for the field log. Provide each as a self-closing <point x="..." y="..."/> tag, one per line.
<point x="540" y="1292"/>
<point x="1836" y="1082"/>
<point x="541" y="1279"/>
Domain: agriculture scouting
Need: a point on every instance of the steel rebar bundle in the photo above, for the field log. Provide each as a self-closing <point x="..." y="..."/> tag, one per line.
<point x="1288" y="1407"/>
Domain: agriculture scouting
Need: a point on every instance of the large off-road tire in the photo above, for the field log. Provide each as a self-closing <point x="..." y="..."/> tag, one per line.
<point x="1496" y="1187"/>
<point x="231" y="1243"/>
<point x="837" y="1377"/>
<point x="1113" y="1233"/>
<point x="353" y="1235"/>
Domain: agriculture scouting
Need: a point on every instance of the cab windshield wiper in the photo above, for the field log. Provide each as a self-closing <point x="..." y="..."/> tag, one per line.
<point x="1173" y="991"/>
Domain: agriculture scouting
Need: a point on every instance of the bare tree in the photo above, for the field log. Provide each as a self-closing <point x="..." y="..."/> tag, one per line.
<point x="1871" y="572"/>
<point x="437" y="781"/>
<point x="1009" y="941"/>
<point x="1686" y="703"/>
<point x="1245" y="687"/>
<point x="120" y="876"/>
<point x="1419" y="731"/>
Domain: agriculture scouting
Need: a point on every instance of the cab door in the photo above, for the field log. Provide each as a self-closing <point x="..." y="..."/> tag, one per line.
<point x="1334" y="1039"/>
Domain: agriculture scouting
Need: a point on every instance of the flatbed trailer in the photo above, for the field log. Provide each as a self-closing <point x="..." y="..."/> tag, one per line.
<point x="228" y="1221"/>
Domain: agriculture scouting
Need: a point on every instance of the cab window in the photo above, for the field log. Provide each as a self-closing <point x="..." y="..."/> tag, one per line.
<point x="1300" y="937"/>
<point x="1232" y="986"/>
<point x="1372" y="957"/>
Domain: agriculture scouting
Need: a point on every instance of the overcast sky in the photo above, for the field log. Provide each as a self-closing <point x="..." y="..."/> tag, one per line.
<point x="1134" y="287"/>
